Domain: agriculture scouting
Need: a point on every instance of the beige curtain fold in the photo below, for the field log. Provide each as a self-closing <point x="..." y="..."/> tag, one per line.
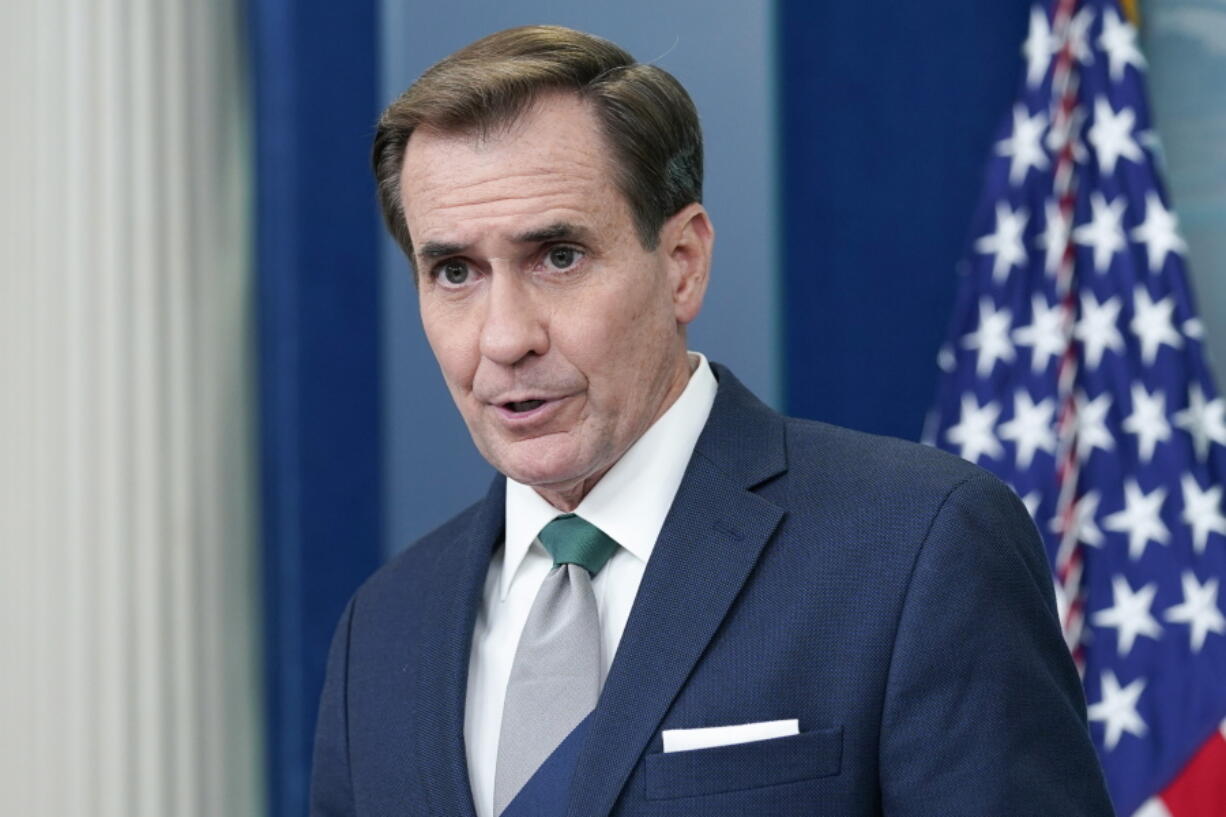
<point x="129" y="618"/>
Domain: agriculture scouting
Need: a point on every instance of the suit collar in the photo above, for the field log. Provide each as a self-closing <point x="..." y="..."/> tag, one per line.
<point x="744" y="437"/>
<point x="457" y="581"/>
<point x="710" y="542"/>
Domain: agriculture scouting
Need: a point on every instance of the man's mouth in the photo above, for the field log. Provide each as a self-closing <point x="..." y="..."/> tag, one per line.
<point x="524" y="405"/>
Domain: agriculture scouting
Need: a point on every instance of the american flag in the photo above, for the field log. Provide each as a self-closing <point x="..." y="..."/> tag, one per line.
<point x="1075" y="371"/>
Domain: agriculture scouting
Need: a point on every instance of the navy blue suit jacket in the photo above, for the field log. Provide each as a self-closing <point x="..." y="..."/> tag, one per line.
<point x="894" y="599"/>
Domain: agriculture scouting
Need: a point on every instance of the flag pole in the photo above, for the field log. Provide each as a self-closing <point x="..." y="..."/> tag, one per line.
<point x="1068" y="566"/>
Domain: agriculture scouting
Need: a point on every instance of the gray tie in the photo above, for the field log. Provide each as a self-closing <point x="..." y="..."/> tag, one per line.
<point x="555" y="678"/>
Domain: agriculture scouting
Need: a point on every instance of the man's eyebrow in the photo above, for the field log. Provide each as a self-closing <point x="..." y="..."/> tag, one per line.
<point x="554" y="232"/>
<point x="439" y="249"/>
<point x="560" y="231"/>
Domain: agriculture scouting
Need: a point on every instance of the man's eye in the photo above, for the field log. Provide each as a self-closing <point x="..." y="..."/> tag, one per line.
<point x="563" y="257"/>
<point x="454" y="272"/>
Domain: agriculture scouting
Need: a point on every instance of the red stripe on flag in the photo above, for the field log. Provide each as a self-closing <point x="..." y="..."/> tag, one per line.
<point x="1200" y="789"/>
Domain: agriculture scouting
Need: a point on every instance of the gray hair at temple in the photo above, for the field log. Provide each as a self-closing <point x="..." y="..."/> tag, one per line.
<point x="647" y="118"/>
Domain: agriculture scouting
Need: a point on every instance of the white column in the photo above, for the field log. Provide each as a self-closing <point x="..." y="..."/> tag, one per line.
<point x="129" y="615"/>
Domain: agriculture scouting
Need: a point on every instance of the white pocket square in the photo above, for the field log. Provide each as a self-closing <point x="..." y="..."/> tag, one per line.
<point x="706" y="737"/>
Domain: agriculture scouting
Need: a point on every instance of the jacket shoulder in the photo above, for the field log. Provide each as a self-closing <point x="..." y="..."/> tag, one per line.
<point x="873" y="463"/>
<point x="882" y="497"/>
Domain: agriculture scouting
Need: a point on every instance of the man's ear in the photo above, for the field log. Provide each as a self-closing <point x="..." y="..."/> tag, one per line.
<point x="688" y="238"/>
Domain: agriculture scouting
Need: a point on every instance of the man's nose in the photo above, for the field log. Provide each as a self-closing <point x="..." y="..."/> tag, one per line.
<point x="514" y="325"/>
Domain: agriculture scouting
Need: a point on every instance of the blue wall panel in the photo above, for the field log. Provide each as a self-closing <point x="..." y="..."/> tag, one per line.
<point x="888" y="113"/>
<point x="315" y="101"/>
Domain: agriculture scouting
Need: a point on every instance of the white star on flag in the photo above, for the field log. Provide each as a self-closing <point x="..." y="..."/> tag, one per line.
<point x="1204" y="420"/>
<point x="1103" y="231"/>
<point x="1202" y="510"/>
<point x="1117" y="710"/>
<point x="1198" y="610"/>
<point x="1031" y="428"/>
<point x="1031" y="501"/>
<point x="1147" y="421"/>
<point x="1111" y="135"/>
<point x="1151" y="141"/>
<point x="1152" y="324"/>
<point x="1129" y="614"/>
<point x="991" y="338"/>
<point x="1082" y="522"/>
<point x="946" y="358"/>
<point x="1054" y="238"/>
<point x="1079" y="42"/>
<point x="973" y="433"/>
<point x="1025" y="147"/>
<point x="1006" y="242"/>
<point x="1091" y="420"/>
<point x="1119" y="40"/>
<point x="1159" y="232"/>
<point x="1044" y="334"/>
<point x="1140" y="519"/>
<point x="1039" y="47"/>
<point x="1097" y="328"/>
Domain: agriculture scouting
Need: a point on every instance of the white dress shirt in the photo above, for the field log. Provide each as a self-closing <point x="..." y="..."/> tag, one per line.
<point x="629" y="504"/>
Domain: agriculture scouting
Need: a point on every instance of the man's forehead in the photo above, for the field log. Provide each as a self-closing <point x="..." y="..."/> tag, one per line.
<point x="511" y="196"/>
<point x="550" y="167"/>
<point x="555" y="111"/>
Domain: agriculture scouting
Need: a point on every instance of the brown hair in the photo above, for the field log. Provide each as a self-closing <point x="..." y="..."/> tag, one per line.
<point x="646" y="116"/>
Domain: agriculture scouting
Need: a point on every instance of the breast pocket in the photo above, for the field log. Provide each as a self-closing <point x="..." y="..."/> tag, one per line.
<point x="816" y="753"/>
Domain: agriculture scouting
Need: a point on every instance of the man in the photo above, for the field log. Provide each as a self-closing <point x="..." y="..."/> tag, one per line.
<point x="675" y="600"/>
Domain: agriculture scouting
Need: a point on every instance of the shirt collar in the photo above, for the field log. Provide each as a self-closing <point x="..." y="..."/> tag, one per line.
<point x="631" y="500"/>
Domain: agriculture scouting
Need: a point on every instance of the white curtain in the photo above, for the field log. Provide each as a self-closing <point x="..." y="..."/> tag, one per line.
<point x="129" y="617"/>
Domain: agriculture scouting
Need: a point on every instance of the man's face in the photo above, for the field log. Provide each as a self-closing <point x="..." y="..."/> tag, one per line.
<point x="560" y="337"/>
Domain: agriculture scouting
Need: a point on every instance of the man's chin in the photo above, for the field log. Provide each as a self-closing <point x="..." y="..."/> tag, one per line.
<point x="546" y="480"/>
<point x="540" y="463"/>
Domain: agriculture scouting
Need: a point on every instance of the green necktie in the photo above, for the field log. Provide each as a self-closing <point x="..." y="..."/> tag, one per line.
<point x="573" y="540"/>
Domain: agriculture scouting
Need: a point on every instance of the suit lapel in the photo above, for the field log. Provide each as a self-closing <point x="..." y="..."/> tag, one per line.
<point x="443" y="670"/>
<point x="709" y="544"/>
